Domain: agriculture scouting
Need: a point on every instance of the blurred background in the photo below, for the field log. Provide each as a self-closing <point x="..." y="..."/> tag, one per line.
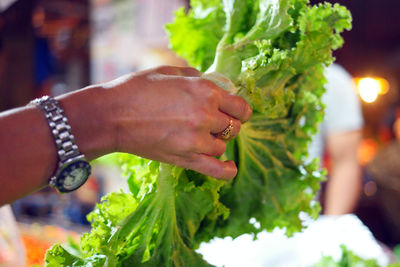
<point x="52" y="47"/>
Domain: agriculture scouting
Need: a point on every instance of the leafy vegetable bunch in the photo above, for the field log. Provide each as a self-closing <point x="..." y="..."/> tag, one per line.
<point x="274" y="52"/>
<point x="349" y="259"/>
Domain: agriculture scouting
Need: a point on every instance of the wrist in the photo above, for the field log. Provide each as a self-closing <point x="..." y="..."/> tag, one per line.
<point x="88" y="114"/>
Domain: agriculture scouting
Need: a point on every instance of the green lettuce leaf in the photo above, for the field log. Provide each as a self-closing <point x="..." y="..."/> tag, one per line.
<point x="350" y="259"/>
<point x="277" y="65"/>
<point x="274" y="52"/>
<point x="59" y="256"/>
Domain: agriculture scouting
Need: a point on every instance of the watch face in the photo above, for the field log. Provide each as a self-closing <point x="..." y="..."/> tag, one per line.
<point x="76" y="176"/>
<point x="73" y="176"/>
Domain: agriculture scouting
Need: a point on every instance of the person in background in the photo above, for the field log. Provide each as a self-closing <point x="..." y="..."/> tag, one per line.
<point x="340" y="136"/>
<point x="384" y="173"/>
<point x="168" y="114"/>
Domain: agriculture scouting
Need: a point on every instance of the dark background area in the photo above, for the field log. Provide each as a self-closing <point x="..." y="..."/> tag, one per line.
<point x="373" y="45"/>
<point x="372" y="48"/>
<point x="40" y="43"/>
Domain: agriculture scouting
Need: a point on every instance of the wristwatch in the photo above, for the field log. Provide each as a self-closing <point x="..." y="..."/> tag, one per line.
<point x="73" y="169"/>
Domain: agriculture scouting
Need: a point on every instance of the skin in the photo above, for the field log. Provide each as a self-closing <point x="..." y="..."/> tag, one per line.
<point x="168" y="114"/>
<point x="344" y="184"/>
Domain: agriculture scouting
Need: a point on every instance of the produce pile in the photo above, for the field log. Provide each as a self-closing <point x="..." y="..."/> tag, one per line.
<point x="274" y="52"/>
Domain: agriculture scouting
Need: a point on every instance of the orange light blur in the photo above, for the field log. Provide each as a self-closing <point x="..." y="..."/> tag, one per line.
<point x="369" y="88"/>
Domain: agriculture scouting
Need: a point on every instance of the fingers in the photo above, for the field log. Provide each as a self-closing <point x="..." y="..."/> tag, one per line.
<point x="235" y="106"/>
<point x="178" y="71"/>
<point x="213" y="147"/>
<point x="221" y="122"/>
<point x="213" y="167"/>
<point x="204" y="161"/>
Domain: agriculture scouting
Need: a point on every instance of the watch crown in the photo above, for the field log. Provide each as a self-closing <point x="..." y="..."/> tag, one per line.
<point x="52" y="181"/>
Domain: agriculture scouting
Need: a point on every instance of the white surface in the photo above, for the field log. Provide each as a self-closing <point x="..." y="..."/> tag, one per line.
<point x="322" y="237"/>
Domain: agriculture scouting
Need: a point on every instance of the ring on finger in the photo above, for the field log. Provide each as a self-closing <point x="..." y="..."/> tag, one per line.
<point x="227" y="132"/>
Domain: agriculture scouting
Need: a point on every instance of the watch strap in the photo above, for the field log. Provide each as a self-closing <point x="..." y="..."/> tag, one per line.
<point x="61" y="131"/>
<point x="60" y="128"/>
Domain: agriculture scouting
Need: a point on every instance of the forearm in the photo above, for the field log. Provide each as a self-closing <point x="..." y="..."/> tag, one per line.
<point x="344" y="183"/>
<point x="28" y="155"/>
<point x="344" y="188"/>
<point x="168" y="114"/>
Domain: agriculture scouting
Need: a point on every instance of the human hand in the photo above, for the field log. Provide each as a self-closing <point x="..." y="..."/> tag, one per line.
<point x="170" y="114"/>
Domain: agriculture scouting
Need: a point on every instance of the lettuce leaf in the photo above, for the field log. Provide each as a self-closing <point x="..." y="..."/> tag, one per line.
<point x="274" y="52"/>
<point x="350" y="259"/>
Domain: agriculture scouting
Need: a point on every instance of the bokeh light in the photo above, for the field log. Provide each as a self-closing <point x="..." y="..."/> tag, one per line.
<point x="369" y="88"/>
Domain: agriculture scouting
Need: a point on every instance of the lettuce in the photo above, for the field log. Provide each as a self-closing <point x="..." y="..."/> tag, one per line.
<point x="350" y="259"/>
<point x="274" y="52"/>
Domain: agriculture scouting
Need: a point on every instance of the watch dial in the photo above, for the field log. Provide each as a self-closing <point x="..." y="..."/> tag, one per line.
<point x="75" y="177"/>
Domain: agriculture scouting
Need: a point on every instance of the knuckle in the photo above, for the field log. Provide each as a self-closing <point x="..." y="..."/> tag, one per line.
<point x="200" y="118"/>
<point x="197" y="145"/>
<point x="191" y="142"/>
<point x="192" y="85"/>
<point x="211" y="96"/>
<point x="185" y="142"/>
<point x="205" y="91"/>
<point x="204" y="117"/>
<point x="206" y="87"/>
<point x="205" y="83"/>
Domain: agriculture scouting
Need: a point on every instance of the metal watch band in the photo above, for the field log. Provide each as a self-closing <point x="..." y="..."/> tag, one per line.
<point x="61" y="130"/>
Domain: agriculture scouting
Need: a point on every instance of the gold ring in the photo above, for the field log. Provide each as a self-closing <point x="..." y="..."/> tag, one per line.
<point x="226" y="134"/>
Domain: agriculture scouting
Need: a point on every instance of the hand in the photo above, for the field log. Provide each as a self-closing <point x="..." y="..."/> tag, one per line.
<point x="171" y="115"/>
